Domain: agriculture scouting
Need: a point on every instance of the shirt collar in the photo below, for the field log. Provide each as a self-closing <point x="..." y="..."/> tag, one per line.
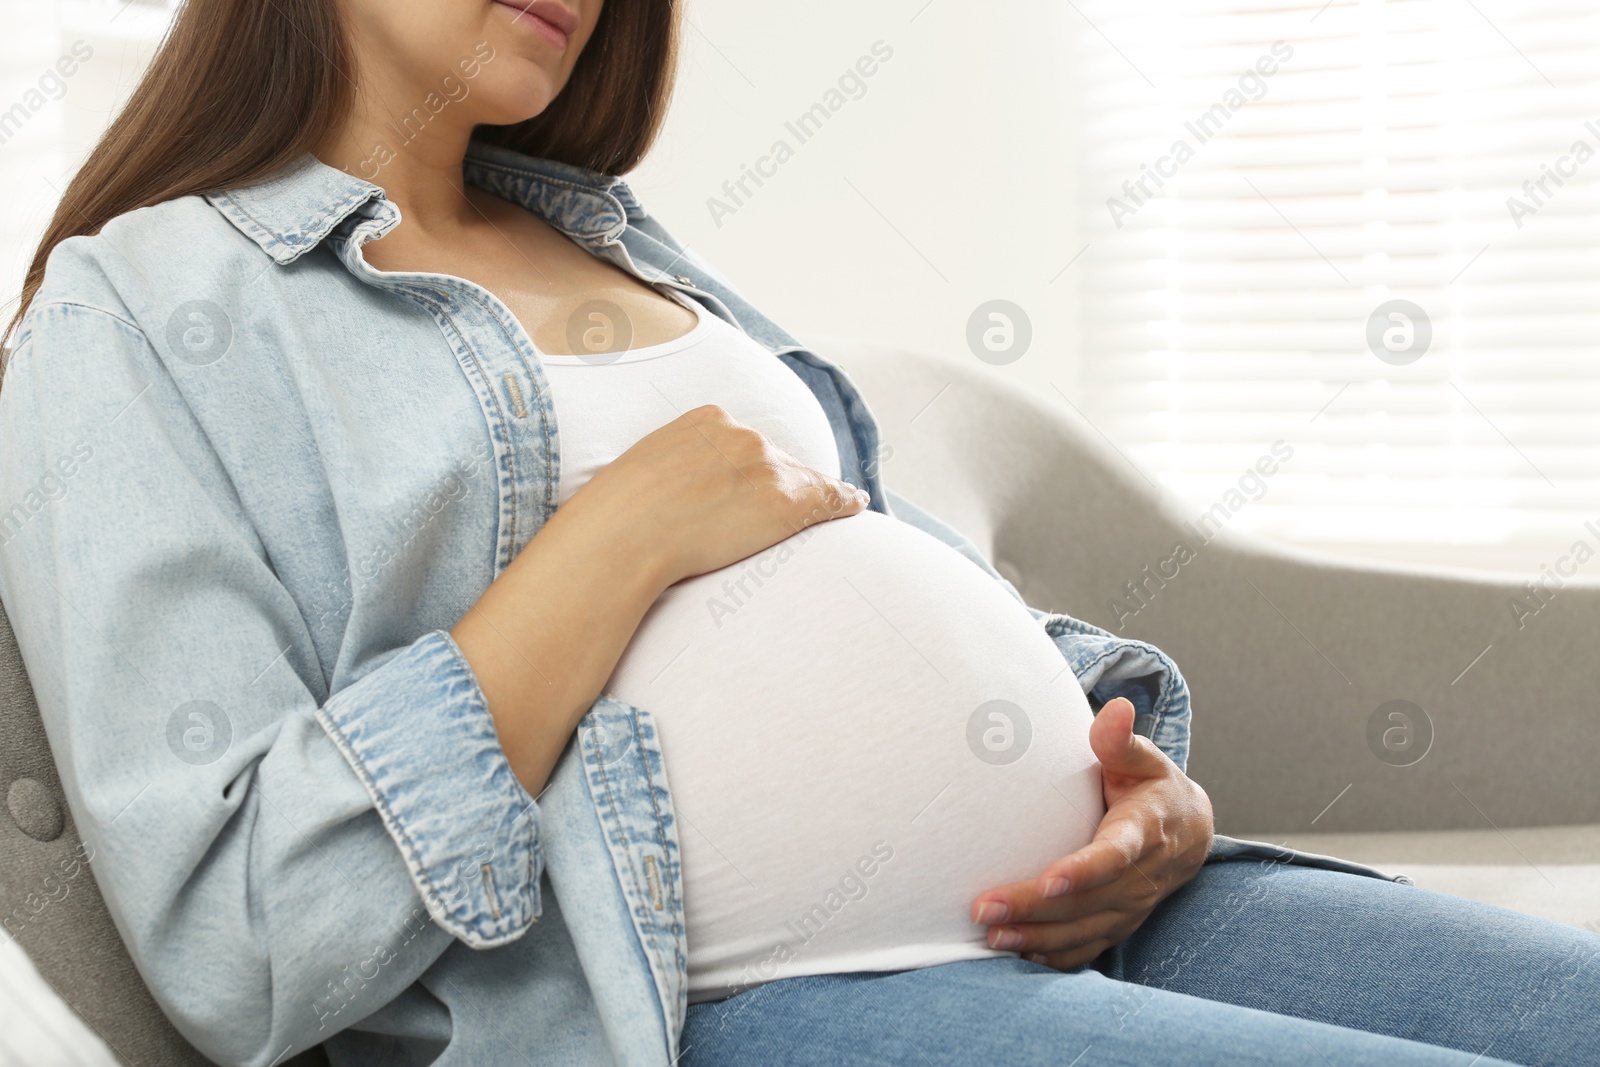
<point x="292" y="213"/>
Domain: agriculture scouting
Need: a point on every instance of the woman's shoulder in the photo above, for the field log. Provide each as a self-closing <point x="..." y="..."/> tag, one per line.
<point x="140" y="261"/>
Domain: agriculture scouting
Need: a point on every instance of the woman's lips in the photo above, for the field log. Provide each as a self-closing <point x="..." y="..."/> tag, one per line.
<point x="524" y="14"/>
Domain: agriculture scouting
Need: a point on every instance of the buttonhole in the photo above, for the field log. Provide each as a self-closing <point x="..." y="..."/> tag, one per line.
<point x="653" y="873"/>
<point x="488" y="891"/>
<point x="514" y="391"/>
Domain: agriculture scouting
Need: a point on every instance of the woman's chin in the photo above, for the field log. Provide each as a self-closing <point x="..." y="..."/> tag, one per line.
<point x="516" y="99"/>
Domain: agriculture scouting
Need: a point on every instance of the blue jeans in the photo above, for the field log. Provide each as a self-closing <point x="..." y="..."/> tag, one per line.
<point x="1251" y="963"/>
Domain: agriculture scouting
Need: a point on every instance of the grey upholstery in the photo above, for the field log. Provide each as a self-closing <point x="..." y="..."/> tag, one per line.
<point x="1288" y="655"/>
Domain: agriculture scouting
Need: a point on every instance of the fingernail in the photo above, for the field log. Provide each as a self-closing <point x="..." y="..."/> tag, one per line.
<point x="1004" y="937"/>
<point x="1038" y="957"/>
<point x="991" y="912"/>
<point x="1054" y="886"/>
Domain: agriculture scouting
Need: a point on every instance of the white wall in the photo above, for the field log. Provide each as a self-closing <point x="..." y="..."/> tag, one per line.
<point x="39" y="154"/>
<point x="958" y="140"/>
<point x="958" y="144"/>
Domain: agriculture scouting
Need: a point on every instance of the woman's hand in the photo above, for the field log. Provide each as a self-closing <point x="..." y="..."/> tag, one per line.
<point x="700" y="493"/>
<point x="704" y="492"/>
<point x="1154" y="837"/>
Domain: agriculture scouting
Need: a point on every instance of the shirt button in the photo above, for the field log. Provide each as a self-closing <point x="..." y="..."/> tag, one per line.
<point x="683" y="279"/>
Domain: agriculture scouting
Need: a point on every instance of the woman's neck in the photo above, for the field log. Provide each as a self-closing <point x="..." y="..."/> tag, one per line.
<point x="419" y="169"/>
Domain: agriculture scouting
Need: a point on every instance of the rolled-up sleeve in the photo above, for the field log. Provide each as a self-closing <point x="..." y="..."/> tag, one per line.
<point x="423" y="710"/>
<point x="281" y="860"/>
<point x="1109" y="667"/>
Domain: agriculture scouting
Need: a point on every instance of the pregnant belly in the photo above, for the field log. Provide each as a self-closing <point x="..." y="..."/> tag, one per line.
<point x="862" y="731"/>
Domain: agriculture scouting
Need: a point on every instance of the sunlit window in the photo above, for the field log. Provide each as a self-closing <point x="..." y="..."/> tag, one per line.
<point x="1370" y="231"/>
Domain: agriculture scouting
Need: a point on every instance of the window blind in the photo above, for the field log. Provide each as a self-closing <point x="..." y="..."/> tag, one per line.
<point x="1260" y="178"/>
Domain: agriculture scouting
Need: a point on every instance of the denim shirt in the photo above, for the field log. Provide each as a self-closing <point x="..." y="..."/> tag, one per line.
<point x="250" y="483"/>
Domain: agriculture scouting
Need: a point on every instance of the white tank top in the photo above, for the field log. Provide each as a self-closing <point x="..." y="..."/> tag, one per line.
<point x="861" y="729"/>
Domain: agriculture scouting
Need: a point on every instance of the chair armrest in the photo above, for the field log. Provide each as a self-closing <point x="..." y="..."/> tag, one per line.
<point x="1289" y="654"/>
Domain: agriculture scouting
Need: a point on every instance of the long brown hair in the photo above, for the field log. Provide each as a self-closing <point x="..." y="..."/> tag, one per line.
<point x="241" y="89"/>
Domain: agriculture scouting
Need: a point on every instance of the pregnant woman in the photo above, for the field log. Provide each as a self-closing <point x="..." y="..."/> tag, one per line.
<point x="470" y="633"/>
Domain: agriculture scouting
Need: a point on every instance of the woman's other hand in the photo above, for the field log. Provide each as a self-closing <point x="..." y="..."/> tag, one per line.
<point x="1155" y="836"/>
